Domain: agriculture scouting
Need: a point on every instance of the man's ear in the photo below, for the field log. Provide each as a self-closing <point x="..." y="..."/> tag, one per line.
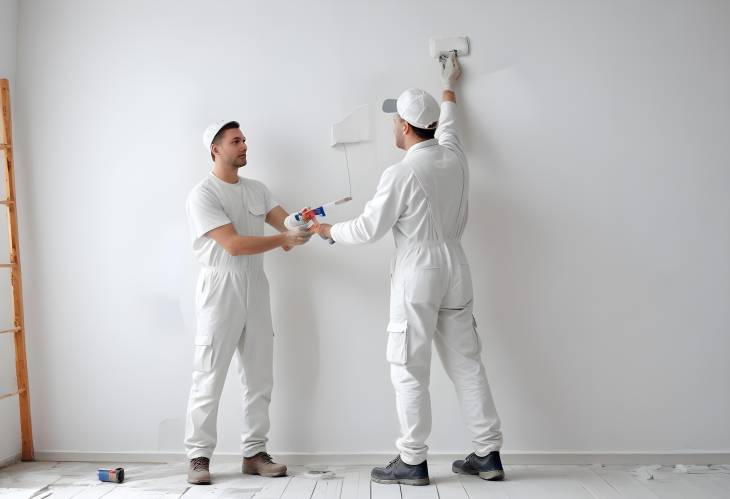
<point x="214" y="150"/>
<point x="406" y="127"/>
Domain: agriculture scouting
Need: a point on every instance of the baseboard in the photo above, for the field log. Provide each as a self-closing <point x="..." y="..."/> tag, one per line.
<point x="508" y="457"/>
<point x="7" y="461"/>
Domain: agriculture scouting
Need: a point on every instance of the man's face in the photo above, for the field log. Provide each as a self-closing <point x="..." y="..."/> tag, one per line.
<point x="232" y="148"/>
<point x="399" y="130"/>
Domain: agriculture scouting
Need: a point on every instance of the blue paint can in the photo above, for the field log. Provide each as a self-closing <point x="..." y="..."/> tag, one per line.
<point x="115" y="475"/>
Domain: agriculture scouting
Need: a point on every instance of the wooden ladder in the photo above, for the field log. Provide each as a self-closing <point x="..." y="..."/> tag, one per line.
<point x="18" y="329"/>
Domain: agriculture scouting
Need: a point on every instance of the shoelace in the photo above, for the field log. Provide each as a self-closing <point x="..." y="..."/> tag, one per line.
<point x="200" y="463"/>
<point x="267" y="458"/>
<point x="393" y="462"/>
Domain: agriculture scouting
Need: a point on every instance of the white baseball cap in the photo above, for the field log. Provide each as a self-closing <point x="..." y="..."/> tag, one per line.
<point x="210" y="132"/>
<point x="416" y="106"/>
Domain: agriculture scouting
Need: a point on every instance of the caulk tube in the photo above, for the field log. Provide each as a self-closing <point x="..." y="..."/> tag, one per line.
<point x="115" y="475"/>
<point x="339" y="201"/>
<point x="319" y="211"/>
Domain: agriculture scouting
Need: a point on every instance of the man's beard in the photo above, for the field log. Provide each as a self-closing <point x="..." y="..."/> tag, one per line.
<point x="239" y="163"/>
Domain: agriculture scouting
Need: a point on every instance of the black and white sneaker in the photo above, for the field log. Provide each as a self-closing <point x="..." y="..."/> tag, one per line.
<point x="488" y="467"/>
<point x="399" y="472"/>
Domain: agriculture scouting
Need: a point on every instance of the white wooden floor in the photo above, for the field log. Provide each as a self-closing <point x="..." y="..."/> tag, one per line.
<point x="150" y="481"/>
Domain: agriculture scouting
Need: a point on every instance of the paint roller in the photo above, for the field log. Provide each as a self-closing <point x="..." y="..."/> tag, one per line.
<point x="441" y="46"/>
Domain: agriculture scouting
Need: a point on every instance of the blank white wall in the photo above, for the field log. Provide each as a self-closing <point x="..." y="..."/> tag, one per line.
<point x="597" y="136"/>
<point x="9" y="416"/>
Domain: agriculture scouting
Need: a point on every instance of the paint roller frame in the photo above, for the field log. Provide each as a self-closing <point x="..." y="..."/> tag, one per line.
<point x="440" y="46"/>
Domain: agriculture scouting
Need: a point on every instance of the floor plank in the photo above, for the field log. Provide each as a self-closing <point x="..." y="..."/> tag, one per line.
<point x="587" y="477"/>
<point x="299" y="488"/>
<point x="65" y="491"/>
<point x="383" y="491"/>
<point x="356" y="482"/>
<point x="447" y="483"/>
<point x="18" y="492"/>
<point x="274" y="488"/>
<point x="24" y="480"/>
<point x="350" y="485"/>
<point x="96" y="491"/>
<point x="670" y="485"/>
<point x="627" y="486"/>
<point x="710" y="486"/>
<point x="419" y="492"/>
<point x="526" y="482"/>
<point x="328" y="489"/>
<point x="364" y="486"/>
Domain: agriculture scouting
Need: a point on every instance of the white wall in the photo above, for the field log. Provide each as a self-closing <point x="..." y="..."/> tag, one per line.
<point x="9" y="415"/>
<point x="597" y="135"/>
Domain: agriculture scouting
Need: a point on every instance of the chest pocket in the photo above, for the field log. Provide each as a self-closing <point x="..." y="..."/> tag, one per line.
<point x="257" y="209"/>
<point x="257" y="216"/>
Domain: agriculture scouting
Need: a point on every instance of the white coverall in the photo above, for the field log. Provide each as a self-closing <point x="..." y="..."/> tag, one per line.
<point x="233" y="314"/>
<point x="424" y="200"/>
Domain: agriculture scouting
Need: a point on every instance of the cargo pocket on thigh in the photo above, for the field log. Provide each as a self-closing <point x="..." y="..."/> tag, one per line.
<point x="477" y="340"/>
<point x="203" y="356"/>
<point x="397" y="350"/>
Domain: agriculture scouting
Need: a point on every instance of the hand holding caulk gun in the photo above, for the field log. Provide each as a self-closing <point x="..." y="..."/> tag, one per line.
<point x="306" y="219"/>
<point x="324" y="232"/>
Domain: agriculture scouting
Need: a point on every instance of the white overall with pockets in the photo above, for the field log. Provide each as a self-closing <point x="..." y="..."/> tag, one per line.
<point x="424" y="200"/>
<point x="233" y="314"/>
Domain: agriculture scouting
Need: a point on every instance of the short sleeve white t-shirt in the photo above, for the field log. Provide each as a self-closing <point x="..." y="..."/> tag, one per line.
<point x="213" y="203"/>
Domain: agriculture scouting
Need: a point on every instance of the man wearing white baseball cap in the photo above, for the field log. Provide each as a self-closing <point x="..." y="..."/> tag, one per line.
<point x="424" y="200"/>
<point x="226" y="215"/>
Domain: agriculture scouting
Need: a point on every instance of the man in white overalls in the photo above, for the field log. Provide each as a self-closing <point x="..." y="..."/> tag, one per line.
<point x="424" y="200"/>
<point x="226" y="214"/>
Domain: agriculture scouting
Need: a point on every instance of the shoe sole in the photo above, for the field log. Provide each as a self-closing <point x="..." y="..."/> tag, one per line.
<point x="492" y="476"/>
<point x="266" y="475"/>
<point x="403" y="481"/>
<point x="199" y="482"/>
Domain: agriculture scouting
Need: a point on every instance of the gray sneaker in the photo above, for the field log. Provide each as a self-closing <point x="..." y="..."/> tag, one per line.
<point x="488" y="467"/>
<point x="399" y="472"/>
<point x="199" y="471"/>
